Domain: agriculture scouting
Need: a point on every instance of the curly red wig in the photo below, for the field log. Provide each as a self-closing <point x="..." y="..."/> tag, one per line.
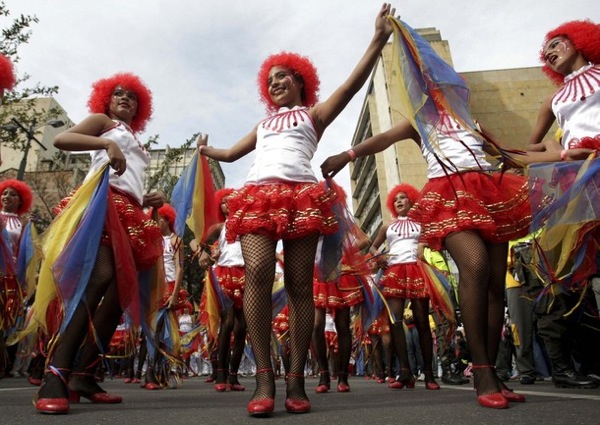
<point x="411" y="192"/>
<point x="102" y="91"/>
<point x="302" y="68"/>
<point x="23" y="190"/>
<point x="7" y="73"/>
<point x="168" y="213"/>
<point x="585" y="36"/>
<point x="219" y="195"/>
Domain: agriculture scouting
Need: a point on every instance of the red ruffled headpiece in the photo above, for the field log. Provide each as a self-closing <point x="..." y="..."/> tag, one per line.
<point x="102" y="91"/>
<point x="7" y="73"/>
<point x="411" y="192"/>
<point x="23" y="190"/>
<point x="301" y="66"/>
<point x="219" y="195"/>
<point x="585" y="36"/>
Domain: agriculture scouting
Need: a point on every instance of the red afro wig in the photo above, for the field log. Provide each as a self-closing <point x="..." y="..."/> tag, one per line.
<point x="219" y="195"/>
<point x="585" y="36"/>
<point x="303" y="69"/>
<point x="102" y="91"/>
<point x="411" y="192"/>
<point x="23" y="190"/>
<point x="7" y="73"/>
<point x="168" y="213"/>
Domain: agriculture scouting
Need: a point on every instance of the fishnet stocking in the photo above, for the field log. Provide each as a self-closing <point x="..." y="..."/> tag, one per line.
<point x="397" y="334"/>
<point x="298" y="276"/>
<point x="239" y="341"/>
<point x="320" y="346"/>
<point x="259" y="260"/>
<point x="342" y="326"/>
<point x="482" y="272"/>
<point x="420" y="308"/>
<point x="66" y="346"/>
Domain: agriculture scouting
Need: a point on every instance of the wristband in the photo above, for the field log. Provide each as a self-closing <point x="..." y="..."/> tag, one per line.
<point x="563" y="155"/>
<point x="352" y="154"/>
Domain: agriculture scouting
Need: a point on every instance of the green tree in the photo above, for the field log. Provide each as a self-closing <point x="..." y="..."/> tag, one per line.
<point x="20" y="103"/>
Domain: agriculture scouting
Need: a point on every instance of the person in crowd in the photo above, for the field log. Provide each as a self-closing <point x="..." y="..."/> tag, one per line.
<point x="16" y="198"/>
<point x="283" y="200"/>
<point x="571" y="58"/>
<point x="403" y="279"/>
<point x="229" y="271"/>
<point x="121" y="105"/>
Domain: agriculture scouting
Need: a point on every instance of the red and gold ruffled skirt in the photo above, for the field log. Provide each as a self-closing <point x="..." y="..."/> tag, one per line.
<point x="144" y="235"/>
<point x="232" y="282"/>
<point x="495" y="205"/>
<point x="281" y="210"/>
<point x="403" y="281"/>
<point x="346" y="292"/>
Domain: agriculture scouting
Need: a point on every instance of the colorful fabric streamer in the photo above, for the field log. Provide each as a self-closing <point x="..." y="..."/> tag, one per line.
<point x="430" y="91"/>
<point x="193" y="199"/>
<point x="28" y="259"/>
<point x="215" y="303"/>
<point x="566" y="207"/>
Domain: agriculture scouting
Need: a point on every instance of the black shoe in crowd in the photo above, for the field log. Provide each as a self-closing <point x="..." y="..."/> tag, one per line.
<point x="454" y="379"/>
<point x="527" y="380"/>
<point x="572" y="379"/>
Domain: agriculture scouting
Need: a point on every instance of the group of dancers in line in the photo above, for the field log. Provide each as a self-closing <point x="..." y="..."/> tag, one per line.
<point x="468" y="207"/>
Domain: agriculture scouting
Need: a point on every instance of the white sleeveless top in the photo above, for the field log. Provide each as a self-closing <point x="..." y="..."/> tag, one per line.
<point x="169" y="259"/>
<point x="14" y="227"/>
<point x="403" y="238"/>
<point x="576" y="105"/>
<point x="458" y="149"/>
<point x="285" y="145"/>
<point x="231" y="253"/>
<point x="137" y="157"/>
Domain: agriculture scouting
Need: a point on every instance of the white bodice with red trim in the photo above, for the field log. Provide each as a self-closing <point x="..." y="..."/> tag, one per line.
<point x="137" y="157"/>
<point x="14" y="227"/>
<point x="456" y="150"/>
<point x="402" y="236"/>
<point x="285" y="145"/>
<point x="576" y="105"/>
<point x="231" y="253"/>
<point x="169" y="259"/>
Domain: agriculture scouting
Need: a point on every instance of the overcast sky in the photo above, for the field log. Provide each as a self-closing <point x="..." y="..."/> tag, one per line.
<point x="200" y="58"/>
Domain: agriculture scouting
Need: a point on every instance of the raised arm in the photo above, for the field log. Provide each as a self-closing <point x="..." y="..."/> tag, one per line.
<point x="544" y="121"/>
<point x="325" y="112"/>
<point x="243" y="147"/>
<point x="403" y="130"/>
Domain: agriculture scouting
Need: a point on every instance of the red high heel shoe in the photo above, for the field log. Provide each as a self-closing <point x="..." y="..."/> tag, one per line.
<point x="510" y="395"/>
<point x="324" y="382"/>
<point x="343" y="388"/>
<point x="396" y="385"/>
<point x="493" y="400"/>
<point x="294" y="405"/>
<point x="220" y="388"/>
<point x="261" y="406"/>
<point x="99" y="398"/>
<point x="406" y="378"/>
<point x="54" y="405"/>
<point x="235" y="386"/>
<point x="430" y="382"/>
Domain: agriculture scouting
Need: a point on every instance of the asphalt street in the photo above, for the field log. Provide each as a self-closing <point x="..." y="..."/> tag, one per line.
<point x="196" y="402"/>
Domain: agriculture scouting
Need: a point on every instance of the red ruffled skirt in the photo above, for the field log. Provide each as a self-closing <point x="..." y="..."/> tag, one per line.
<point x="232" y="282"/>
<point x="143" y="233"/>
<point x="281" y="210"/>
<point x="495" y="205"/>
<point x="346" y="292"/>
<point x="403" y="281"/>
<point x="281" y="321"/>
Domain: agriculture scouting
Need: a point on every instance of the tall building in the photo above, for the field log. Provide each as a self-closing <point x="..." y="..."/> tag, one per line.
<point x="505" y="102"/>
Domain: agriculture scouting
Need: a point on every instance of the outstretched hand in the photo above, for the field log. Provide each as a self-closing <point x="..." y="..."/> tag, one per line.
<point x="382" y="23"/>
<point x="332" y="165"/>
<point x="201" y="140"/>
